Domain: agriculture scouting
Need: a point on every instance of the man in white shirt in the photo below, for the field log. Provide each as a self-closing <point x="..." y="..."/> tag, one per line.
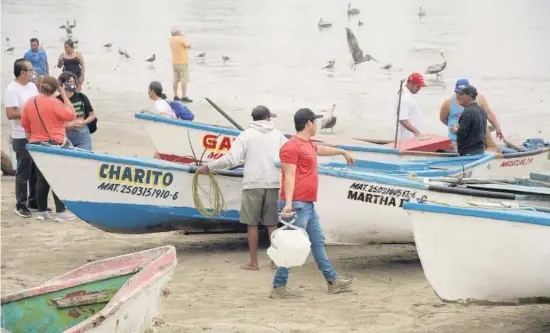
<point x="15" y="96"/>
<point x="410" y="118"/>
<point x="258" y="146"/>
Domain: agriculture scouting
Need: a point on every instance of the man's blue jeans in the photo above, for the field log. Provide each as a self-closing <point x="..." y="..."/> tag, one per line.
<point x="307" y="218"/>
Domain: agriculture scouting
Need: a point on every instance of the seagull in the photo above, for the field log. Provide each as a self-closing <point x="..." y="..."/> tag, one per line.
<point x="322" y="24"/>
<point x="356" y="52"/>
<point x="126" y="54"/>
<point x="202" y="55"/>
<point x="120" y="51"/>
<point x="437" y="68"/>
<point x="10" y="49"/>
<point x="152" y="59"/>
<point x="330" y="64"/>
<point x="330" y="120"/>
<point x="421" y="12"/>
<point x="360" y="23"/>
<point x="108" y="45"/>
<point x="352" y="11"/>
<point x="225" y="58"/>
<point x="386" y="67"/>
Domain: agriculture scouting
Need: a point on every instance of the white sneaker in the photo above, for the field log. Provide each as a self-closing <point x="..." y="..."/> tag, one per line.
<point x="44" y="216"/>
<point x="64" y="216"/>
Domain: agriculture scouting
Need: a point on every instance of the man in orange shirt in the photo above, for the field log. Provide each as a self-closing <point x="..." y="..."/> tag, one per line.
<point x="180" y="62"/>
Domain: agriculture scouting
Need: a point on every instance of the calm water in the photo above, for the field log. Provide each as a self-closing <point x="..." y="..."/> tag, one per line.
<point x="277" y="53"/>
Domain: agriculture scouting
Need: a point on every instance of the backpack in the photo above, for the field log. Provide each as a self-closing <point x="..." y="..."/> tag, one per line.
<point x="181" y="111"/>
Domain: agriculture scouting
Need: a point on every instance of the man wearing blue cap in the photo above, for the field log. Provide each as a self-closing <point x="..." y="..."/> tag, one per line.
<point x="451" y="111"/>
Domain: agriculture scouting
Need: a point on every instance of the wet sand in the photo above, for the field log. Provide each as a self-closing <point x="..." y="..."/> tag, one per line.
<point x="209" y="292"/>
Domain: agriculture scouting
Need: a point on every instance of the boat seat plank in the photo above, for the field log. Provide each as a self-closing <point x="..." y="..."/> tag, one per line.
<point x="83" y="297"/>
<point x="512" y="188"/>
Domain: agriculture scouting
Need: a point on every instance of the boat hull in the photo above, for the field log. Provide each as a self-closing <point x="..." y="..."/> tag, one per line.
<point x="472" y="259"/>
<point x="132" y="195"/>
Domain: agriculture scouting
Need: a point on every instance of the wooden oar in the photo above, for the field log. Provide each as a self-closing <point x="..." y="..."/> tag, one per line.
<point x="509" y="144"/>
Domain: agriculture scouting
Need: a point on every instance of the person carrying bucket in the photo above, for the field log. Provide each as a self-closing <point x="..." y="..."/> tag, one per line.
<point x="300" y="181"/>
<point x="257" y="146"/>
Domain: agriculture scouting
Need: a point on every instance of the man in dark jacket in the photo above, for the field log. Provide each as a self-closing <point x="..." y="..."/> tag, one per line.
<point x="472" y="125"/>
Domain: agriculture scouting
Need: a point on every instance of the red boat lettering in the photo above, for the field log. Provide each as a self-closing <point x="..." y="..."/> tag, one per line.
<point x="518" y="162"/>
<point x="217" y="143"/>
<point x="214" y="156"/>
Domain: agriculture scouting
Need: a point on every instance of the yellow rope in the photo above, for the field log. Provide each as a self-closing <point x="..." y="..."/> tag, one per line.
<point x="215" y="196"/>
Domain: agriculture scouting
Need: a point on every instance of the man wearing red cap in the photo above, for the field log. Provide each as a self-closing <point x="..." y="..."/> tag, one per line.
<point x="410" y="118"/>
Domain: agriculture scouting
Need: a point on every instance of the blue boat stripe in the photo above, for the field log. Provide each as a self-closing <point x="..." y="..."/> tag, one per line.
<point x="522" y="216"/>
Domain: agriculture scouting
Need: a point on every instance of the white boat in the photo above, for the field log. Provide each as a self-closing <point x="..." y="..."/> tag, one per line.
<point x="480" y="255"/>
<point x="131" y="195"/>
<point x="207" y="143"/>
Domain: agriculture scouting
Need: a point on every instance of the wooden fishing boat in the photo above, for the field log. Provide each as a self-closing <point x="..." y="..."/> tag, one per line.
<point x="483" y="255"/>
<point x="206" y="143"/>
<point x="124" y="294"/>
<point x="137" y="195"/>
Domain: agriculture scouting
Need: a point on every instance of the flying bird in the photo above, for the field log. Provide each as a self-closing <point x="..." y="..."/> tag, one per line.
<point x="323" y="24"/>
<point x="330" y="64"/>
<point x="152" y="59"/>
<point x="356" y="52"/>
<point x="352" y="11"/>
<point x="437" y="68"/>
<point x="10" y="49"/>
<point x="108" y="45"/>
<point x="329" y="121"/>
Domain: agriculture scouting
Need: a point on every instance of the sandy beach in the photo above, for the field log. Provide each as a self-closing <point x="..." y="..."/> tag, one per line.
<point x="209" y="292"/>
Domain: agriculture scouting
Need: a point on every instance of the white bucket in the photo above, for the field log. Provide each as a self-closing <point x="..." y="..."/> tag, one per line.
<point x="290" y="245"/>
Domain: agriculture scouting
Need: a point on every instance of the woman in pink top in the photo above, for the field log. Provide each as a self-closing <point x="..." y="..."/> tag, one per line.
<point x="43" y="119"/>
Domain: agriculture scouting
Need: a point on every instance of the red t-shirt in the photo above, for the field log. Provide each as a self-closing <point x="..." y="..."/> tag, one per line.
<point x="303" y="154"/>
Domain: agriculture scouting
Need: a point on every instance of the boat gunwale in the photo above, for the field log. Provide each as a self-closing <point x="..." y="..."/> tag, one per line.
<point x="508" y="215"/>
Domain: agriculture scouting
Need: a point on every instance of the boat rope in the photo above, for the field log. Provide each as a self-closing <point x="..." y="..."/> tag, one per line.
<point x="214" y="195"/>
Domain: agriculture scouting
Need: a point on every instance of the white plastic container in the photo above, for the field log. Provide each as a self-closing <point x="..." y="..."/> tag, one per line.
<point x="290" y="245"/>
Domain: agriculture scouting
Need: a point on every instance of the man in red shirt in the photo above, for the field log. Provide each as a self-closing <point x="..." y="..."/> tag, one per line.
<point x="298" y="194"/>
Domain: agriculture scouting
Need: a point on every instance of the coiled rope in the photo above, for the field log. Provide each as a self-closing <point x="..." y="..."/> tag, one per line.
<point x="214" y="195"/>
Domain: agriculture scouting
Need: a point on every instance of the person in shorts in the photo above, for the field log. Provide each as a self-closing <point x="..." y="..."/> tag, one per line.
<point x="180" y="64"/>
<point x="258" y="146"/>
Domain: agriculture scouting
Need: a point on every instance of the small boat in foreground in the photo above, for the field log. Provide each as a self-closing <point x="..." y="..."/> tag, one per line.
<point x="144" y="195"/>
<point x="206" y="143"/>
<point x="483" y="255"/>
<point x="124" y="294"/>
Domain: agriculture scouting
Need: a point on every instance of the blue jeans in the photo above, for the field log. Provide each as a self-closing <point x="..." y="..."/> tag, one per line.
<point x="81" y="138"/>
<point x="307" y="218"/>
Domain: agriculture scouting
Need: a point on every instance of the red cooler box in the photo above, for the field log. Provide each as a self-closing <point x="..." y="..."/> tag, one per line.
<point x="429" y="143"/>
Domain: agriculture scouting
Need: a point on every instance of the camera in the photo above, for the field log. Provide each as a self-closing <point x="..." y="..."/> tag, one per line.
<point x="70" y="86"/>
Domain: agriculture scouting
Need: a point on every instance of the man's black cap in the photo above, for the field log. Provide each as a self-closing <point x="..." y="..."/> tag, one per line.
<point x="467" y="90"/>
<point x="261" y="112"/>
<point x="302" y="116"/>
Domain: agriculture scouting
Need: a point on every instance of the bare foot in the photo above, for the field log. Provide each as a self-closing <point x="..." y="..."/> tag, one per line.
<point x="251" y="267"/>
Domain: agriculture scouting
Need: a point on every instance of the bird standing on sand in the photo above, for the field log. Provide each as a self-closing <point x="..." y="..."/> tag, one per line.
<point x="152" y="59"/>
<point x="323" y="24"/>
<point x="108" y="45"/>
<point x="356" y="52"/>
<point x="225" y="58"/>
<point x="202" y="55"/>
<point x="352" y="11"/>
<point x="120" y="51"/>
<point x="330" y="64"/>
<point x="360" y="23"/>
<point x="10" y="49"/>
<point x="421" y="12"/>
<point x="387" y="68"/>
<point x="437" y="68"/>
<point x="330" y="120"/>
<point x="126" y="54"/>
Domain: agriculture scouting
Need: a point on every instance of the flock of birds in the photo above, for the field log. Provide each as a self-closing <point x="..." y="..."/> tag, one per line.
<point x="358" y="57"/>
